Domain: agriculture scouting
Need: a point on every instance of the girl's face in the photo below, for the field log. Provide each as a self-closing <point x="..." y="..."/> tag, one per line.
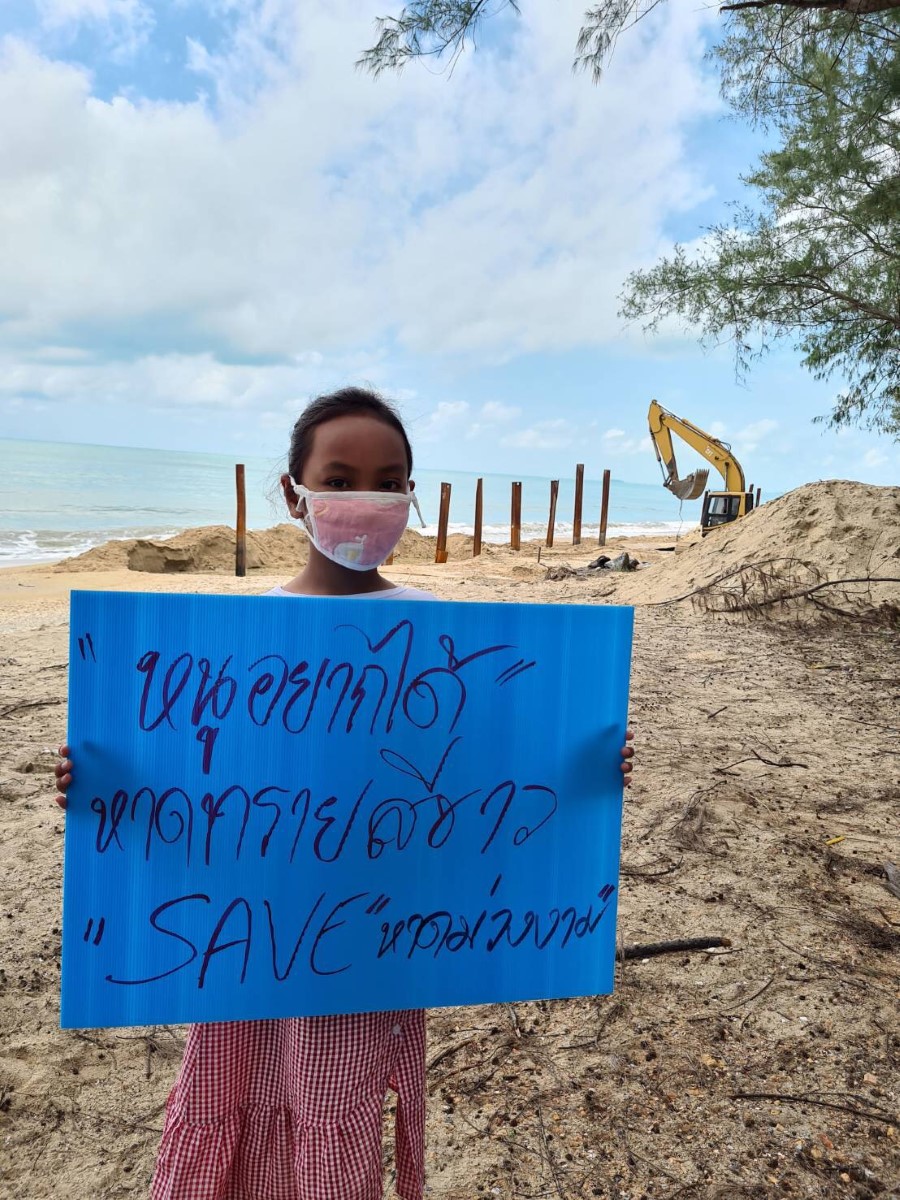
<point x="356" y="453"/>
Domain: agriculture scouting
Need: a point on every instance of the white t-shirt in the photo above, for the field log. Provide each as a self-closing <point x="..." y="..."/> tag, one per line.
<point x="402" y="592"/>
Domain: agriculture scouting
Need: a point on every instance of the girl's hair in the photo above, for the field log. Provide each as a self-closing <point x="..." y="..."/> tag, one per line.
<point x="347" y="402"/>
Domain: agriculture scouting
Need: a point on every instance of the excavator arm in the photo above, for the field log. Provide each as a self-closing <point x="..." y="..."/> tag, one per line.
<point x="662" y="425"/>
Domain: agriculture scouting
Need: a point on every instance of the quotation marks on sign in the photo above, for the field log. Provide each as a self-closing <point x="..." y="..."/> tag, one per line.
<point x="86" y="647"/>
<point x="511" y="672"/>
<point x="98" y="934"/>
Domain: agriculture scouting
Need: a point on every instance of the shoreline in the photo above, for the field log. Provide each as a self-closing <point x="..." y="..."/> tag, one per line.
<point x="827" y="531"/>
<point x="624" y="531"/>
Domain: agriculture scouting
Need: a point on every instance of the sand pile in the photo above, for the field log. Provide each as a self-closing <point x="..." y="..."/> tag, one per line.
<point x="111" y="556"/>
<point x="206" y="551"/>
<point x="838" y="529"/>
<point x="210" y="551"/>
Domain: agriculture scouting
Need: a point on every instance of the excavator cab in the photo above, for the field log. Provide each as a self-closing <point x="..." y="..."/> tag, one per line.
<point x="720" y="508"/>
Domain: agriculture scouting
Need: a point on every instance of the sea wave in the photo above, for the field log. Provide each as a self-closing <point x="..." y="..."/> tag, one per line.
<point x="30" y="547"/>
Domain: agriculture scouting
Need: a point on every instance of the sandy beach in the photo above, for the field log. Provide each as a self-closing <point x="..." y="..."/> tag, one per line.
<point x="764" y="808"/>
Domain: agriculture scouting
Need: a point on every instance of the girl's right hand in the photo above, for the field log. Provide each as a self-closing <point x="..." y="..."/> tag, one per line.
<point x="63" y="773"/>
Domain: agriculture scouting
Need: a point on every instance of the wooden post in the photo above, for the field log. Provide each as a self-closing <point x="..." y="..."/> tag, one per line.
<point x="515" y="517"/>
<point x="758" y="494"/>
<point x="440" y="553"/>
<point x="551" y="520"/>
<point x="479" y="517"/>
<point x="604" y="508"/>
<point x="240" y="544"/>
<point x="579" y="496"/>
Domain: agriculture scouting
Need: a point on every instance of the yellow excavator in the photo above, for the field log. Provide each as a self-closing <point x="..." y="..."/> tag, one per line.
<point x="718" y="507"/>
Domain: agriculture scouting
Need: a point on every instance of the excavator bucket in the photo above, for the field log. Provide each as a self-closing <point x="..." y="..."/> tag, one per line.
<point x="690" y="487"/>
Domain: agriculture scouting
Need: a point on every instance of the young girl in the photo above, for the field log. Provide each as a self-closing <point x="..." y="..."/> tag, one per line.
<point x="292" y="1109"/>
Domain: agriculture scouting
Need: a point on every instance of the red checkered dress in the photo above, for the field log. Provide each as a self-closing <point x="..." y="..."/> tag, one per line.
<point x="292" y="1110"/>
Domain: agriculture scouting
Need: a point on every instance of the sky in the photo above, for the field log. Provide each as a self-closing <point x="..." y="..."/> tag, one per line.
<point x="208" y="216"/>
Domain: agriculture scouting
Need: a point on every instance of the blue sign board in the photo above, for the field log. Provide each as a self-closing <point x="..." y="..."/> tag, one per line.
<point x="314" y="805"/>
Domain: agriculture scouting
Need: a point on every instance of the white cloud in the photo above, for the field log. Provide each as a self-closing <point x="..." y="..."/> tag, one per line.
<point x="490" y="416"/>
<point x="491" y="214"/>
<point x="852" y="453"/>
<point x="256" y="53"/>
<point x="554" y="434"/>
<point x="458" y="419"/>
<point x="622" y="444"/>
<point x="172" y="382"/>
<point x="63" y="354"/>
<point x="443" y="421"/>
<point x="757" y="430"/>
<point x="495" y="413"/>
<point x="125" y="25"/>
<point x="630" y="446"/>
<point x="749" y="439"/>
<point x="67" y="12"/>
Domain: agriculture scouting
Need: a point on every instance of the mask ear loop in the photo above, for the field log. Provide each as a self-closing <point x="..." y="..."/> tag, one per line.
<point x="414" y="499"/>
<point x="301" y="493"/>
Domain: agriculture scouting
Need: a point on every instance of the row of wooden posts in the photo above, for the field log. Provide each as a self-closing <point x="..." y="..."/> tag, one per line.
<point x="515" y="515"/>
<point x="440" y="554"/>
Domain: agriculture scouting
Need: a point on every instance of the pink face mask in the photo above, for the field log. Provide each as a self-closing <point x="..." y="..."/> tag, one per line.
<point x="356" y="529"/>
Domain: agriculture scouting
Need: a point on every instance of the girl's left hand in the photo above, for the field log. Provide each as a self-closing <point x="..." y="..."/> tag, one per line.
<point x="627" y="755"/>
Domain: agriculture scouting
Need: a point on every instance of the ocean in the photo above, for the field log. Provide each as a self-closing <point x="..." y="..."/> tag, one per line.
<point x="58" y="499"/>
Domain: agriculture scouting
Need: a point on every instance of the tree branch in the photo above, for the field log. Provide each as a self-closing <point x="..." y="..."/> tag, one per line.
<point x="787" y="1098"/>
